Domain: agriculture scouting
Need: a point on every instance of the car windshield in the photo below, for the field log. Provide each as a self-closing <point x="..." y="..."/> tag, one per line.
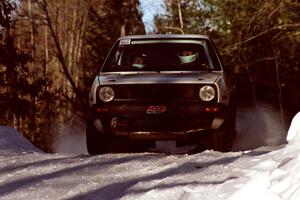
<point x="160" y="55"/>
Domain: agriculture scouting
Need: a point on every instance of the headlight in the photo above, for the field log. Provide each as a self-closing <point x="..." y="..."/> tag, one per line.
<point x="207" y="93"/>
<point x="106" y="94"/>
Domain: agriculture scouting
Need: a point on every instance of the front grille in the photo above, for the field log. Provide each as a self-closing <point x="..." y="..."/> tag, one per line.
<point x="157" y="91"/>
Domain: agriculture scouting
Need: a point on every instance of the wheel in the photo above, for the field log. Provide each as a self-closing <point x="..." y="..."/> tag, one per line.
<point x="222" y="139"/>
<point x="104" y="142"/>
<point x="96" y="142"/>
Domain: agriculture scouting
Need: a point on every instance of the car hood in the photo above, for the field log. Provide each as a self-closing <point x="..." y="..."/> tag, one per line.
<point x="158" y="78"/>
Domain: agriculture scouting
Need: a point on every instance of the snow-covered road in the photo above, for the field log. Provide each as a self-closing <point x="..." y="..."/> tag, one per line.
<point x="267" y="173"/>
<point x="209" y="175"/>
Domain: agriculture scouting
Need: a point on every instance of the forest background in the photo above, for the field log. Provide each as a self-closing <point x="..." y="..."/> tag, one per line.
<point x="51" y="50"/>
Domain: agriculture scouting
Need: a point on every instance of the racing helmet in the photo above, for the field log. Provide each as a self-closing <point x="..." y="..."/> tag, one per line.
<point x="139" y="61"/>
<point x="187" y="56"/>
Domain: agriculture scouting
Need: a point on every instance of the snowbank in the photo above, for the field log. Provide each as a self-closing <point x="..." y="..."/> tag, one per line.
<point x="271" y="176"/>
<point x="293" y="136"/>
<point x="12" y="140"/>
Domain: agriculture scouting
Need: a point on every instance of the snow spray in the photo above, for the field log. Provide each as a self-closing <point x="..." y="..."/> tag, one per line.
<point x="70" y="139"/>
<point x="258" y="126"/>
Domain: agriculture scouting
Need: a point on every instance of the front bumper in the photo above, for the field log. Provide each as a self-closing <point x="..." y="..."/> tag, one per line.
<point x="174" y="123"/>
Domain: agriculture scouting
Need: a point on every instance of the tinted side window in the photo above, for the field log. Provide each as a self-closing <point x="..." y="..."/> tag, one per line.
<point x="214" y="56"/>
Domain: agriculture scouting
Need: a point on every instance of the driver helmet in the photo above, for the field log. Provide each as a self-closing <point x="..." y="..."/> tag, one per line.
<point x="138" y="61"/>
<point x="187" y="56"/>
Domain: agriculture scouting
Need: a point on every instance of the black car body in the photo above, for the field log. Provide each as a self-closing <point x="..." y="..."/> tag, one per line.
<point x="177" y="91"/>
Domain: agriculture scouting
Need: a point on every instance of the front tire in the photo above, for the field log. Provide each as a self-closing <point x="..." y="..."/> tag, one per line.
<point x="222" y="139"/>
<point x="104" y="142"/>
<point x="96" y="142"/>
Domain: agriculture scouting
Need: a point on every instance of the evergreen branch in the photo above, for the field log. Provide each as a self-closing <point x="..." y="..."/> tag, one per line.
<point x="231" y="48"/>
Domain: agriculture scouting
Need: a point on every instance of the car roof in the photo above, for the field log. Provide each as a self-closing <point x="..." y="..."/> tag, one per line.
<point x="164" y="36"/>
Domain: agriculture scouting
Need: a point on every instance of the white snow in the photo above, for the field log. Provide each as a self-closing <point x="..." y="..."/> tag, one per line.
<point x="294" y="130"/>
<point x="266" y="173"/>
<point x="11" y="140"/>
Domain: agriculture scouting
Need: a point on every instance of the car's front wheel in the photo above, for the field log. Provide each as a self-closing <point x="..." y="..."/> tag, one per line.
<point x="99" y="142"/>
<point x="223" y="138"/>
<point x="96" y="142"/>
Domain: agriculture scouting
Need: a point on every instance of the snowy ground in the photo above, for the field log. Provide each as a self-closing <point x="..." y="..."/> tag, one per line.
<point x="267" y="173"/>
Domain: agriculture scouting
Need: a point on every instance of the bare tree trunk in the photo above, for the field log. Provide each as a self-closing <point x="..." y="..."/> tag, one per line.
<point x="59" y="53"/>
<point x="252" y="86"/>
<point x="48" y="106"/>
<point x="123" y="30"/>
<point x="34" y="72"/>
<point x="180" y="16"/>
<point x="279" y="90"/>
<point x="78" y="46"/>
